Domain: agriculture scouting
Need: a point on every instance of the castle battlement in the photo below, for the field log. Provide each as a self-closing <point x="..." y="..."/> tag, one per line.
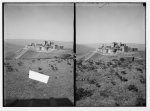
<point x="115" y="48"/>
<point x="46" y="46"/>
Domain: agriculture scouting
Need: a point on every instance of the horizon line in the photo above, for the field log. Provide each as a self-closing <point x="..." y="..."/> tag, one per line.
<point x="111" y="42"/>
<point x="36" y="39"/>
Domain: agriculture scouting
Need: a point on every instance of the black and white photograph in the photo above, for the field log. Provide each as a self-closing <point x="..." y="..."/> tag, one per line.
<point x="110" y="68"/>
<point x="74" y="54"/>
<point x="38" y="54"/>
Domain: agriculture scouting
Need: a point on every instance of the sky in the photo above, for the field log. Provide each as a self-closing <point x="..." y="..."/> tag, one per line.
<point x="107" y="23"/>
<point x="39" y="21"/>
<point x="101" y="22"/>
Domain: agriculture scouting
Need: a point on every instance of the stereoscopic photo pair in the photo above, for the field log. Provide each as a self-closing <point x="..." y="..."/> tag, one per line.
<point x="74" y="54"/>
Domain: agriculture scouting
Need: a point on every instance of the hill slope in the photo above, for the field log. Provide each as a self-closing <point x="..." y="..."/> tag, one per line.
<point x="83" y="49"/>
<point x="13" y="45"/>
<point x="54" y="54"/>
<point x="10" y="49"/>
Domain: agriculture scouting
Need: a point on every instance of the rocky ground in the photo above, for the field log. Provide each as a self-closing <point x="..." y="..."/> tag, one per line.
<point x="111" y="81"/>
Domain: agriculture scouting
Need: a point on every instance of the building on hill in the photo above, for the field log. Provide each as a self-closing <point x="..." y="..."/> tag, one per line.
<point x="47" y="46"/>
<point x="115" y="48"/>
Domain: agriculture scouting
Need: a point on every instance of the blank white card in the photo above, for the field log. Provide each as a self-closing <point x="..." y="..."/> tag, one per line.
<point x="38" y="76"/>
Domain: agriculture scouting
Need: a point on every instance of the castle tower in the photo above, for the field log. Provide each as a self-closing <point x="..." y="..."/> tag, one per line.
<point x="46" y="42"/>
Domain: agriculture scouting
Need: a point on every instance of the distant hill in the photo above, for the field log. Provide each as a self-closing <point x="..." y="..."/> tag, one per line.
<point x="83" y="49"/>
<point x="10" y="49"/>
<point x="12" y="45"/>
<point x="23" y="42"/>
<point x="141" y="47"/>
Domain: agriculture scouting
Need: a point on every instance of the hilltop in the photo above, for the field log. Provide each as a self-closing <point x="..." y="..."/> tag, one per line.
<point x="11" y="46"/>
<point x="23" y="42"/>
<point x="86" y="48"/>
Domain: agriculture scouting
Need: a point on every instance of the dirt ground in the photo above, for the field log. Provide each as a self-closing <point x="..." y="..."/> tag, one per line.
<point x="111" y="81"/>
<point x="17" y="84"/>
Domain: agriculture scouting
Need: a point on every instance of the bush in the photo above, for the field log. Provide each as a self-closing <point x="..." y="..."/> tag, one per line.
<point x="142" y="79"/>
<point x="9" y="69"/>
<point x="91" y="81"/>
<point x="82" y="93"/>
<point x="122" y="59"/>
<point x="121" y="78"/>
<point x="79" y="62"/>
<point x="113" y="82"/>
<point x="115" y="65"/>
<point x="140" y="102"/>
<point x="141" y="62"/>
<point x="140" y="70"/>
<point x="119" y="63"/>
<point x="33" y="61"/>
<point x="105" y="93"/>
<point x="91" y="67"/>
<point x="20" y="63"/>
<point x="40" y="68"/>
<point x="132" y="88"/>
<point x="55" y="57"/>
<point x="6" y="64"/>
<point x="99" y="62"/>
<point x="91" y="62"/>
<point x="109" y="63"/>
<point x="117" y="104"/>
<point x="66" y="56"/>
<point x="86" y="67"/>
<point x="97" y="85"/>
<point x="68" y="63"/>
<point x="54" y="68"/>
<point x="115" y="60"/>
<point x="123" y="72"/>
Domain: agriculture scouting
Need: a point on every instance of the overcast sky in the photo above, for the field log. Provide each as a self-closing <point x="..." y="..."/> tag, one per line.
<point x="110" y="22"/>
<point x="95" y="23"/>
<point x="38" y="21"/>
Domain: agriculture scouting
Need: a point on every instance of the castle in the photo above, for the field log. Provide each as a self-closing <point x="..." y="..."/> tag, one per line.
<point x="115" y="48"/>
<point x="47" y="46"/>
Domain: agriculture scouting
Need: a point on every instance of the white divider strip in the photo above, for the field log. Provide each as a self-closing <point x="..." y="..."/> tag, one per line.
<point x="38" y="76"/>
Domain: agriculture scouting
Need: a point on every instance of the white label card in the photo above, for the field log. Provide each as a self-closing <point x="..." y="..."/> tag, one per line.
<point x="38" y="76"/>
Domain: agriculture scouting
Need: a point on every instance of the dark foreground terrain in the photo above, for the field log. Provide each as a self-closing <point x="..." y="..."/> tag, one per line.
<point x="17" y="84"/>
<point x="111" y="80"/>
